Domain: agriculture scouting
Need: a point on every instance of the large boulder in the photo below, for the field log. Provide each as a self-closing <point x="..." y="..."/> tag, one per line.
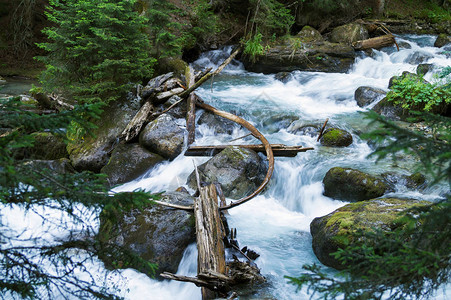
<point x="335" y="137"/>
<point x="93" y="151"/>
<point x="310" y="34"/>
<point x="156" y="233"/>
<point x="442" y="40"/>
<point x="405" y="75"/>
<point x="389" y="110"/>
<point x="238" y="170"/>
<point x="59" y="166"/>
<point x="334" y="230"/>
<point x="128" y="161"/>
<point x="349" y="33"/>
<point x="352" y="185"/>
<point x="46" y="146"/>
<point x="365" y="95"/>
<point x="163" y="136"/>
<point x="418" y="58"/>
<point x="297" y="53"/>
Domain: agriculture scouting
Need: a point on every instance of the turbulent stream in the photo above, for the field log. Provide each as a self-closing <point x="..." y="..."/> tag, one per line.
<point x="276" y="223"/>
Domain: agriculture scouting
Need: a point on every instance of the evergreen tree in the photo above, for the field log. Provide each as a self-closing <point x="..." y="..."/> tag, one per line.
<point x="37" y="265"/>
<point x="96" y="49"/>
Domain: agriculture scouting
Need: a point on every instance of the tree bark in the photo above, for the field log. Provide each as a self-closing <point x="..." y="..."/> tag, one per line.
<point x="375" y="43"/>
<point x="209" y="234"/>
<point x="191" y="107"/>
<point x="134" y="126"/>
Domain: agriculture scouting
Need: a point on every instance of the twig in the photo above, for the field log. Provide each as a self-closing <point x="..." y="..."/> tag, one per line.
<point x="322" y="130"/>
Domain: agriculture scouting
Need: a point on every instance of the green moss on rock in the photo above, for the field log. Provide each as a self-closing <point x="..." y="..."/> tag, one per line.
<point x="335" y="137"/>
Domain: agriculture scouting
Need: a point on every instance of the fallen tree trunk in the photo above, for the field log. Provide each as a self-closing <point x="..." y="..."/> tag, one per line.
<point x="133" y="128"/>
<point x="277" y="149"/>
<point x="191" y="108"/>
<point x="375" y="43"/>
<point x="209" y="235"/>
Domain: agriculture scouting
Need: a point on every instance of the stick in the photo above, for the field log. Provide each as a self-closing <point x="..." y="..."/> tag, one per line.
<point x="322" y="130"/>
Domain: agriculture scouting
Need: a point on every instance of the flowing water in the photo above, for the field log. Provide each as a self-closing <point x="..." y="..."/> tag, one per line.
<point x="276" y="223"/>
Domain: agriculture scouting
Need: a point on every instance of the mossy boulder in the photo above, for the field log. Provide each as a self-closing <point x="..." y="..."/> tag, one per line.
<point x="238" y="170"/>
<point x="349" y="33"/>
<point x="411" y="76"/>
<point x="352" y="185"/>
<point x="366" y="95"/>
<point x="334" y="230"/>
<point x="46" y="146"/>
<point x="310" y="34"/>
<point x="442" y="40"/>
<point x="128" y="161"/>
<point x="163" y="136"/>
<point x="156" y="233"/>
<point x="415" y="181"/>
<point x="92" y="151"/>
<point x="423" y="69"/>
<point x="218" y="124"/>
<point x="335" y="137"/>
<point x="389" y="110"/>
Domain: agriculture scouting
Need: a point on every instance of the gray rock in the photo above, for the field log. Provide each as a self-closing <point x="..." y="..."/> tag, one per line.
<point x="335" y="137"/>
<point x="366" y="95"/>
<point x="404" y="45"/>
<point x="163" y="136"/>
<point x="330" y="232"/>
<point x="299" y="127"/>
<point x="178" y="111"/>
<point x="46" y="146"/>
<point x="418" y="58"/>
<point x="352" y="185"/>
<point x="349" y="33"/>
<point x="284" y="76"/>
<point x="238" y="170"/>
<point x="423" y="69"/>
<point x="388" y="110"/>
<point x="310" y="34"/>
<point x="156" y="233"/>
<point x="128" y="161"/>
<point x="94" y="151"/>
<point x="218" y="124"/>
<point x="442" y="40"/>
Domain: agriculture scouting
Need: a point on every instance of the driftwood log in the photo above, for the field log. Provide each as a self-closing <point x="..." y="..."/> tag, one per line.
<point x="375" y="43"/>
<point x="277" y="149"/>
<point x="191" y="107"/>
<point x="133" y="128"/>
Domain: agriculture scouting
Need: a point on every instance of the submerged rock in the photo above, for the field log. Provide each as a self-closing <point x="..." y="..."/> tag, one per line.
<point x="333" y="231"/>
<point x="238" y="170"/>
<point x="163" y="136"/>
<point x="156" y="233"/>
<point x="366" y="95"/>
<point x="217" y="123"/>
<point x="128" y="161"/>
<point x="335" y="137"/>
<point x="352" y="185"/>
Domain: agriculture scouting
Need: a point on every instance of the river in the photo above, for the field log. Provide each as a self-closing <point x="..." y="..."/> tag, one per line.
<point x="276" y="223"/>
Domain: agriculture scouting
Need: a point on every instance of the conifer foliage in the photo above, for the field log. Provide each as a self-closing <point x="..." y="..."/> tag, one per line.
<point x="96" y="48"/>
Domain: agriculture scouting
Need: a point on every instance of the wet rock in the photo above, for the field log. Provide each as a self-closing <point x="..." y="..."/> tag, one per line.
<point x="60" y="166"/>
<point x="156" y="233"/>
<point x="238" y="170"/>
<point x="163" y="136"/>
<point x="128" y="161"/>
<point x="418" y="58"/>
<point x="442" y="40"/>
<point x="335" y="137"/>
<point x="352" y="185"/>
<point x="218" y="124"/>
<point x="332" y="231"/>
<point x="2" y="80"/>
<point x="93" y="151"/>
<point x="415" y="181"/>
<point x="295" y="54"/>
<point x="404" y="45"/>
<point x="178" y="111"/>
<point x="423" y="69"/>
<point x="349" y="33"/>
<point x="275" y="123"/>
<point x="366" y="95"/>
<point x="310" y="34"/>
<point x="284" y="76"/>
<point x="389" y="110"/>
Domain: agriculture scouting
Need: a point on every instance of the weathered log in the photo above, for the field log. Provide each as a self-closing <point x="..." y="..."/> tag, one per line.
<point x="134" y="126"/>
<point x="207" y="76"/>
<point x="208" y="281"/>
<point x="375" y="43"/>
<point x="209" y="235"/>
<point x="277" y="149"/>
<point x="164" y="96"/>
<point x="50" y="102"/>
<point x="191" y="107"/>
